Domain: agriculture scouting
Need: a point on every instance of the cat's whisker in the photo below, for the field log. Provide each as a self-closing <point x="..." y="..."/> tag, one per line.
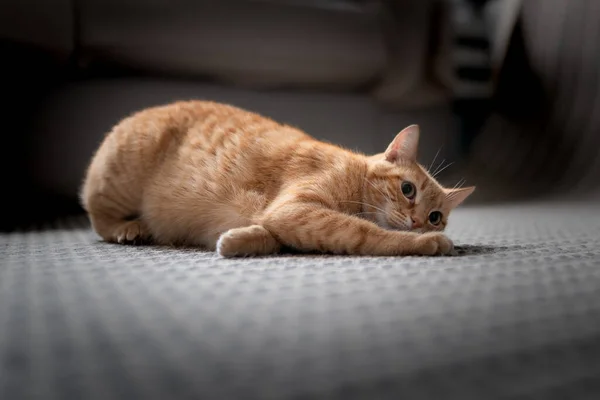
<point x="398" y="220"/>
<point x="438" y="167"/>
<point x="395" y="221"/>
<point x="459" y="184"/>
<point x="433" y="161"/>
<point x="387" y="197"/>
<point x="365" y="213"/>
<point x="364" y="204"/>
<point x="451" y="195"/>
<point x="453" y="192"/>
<point x="441" y="170"/>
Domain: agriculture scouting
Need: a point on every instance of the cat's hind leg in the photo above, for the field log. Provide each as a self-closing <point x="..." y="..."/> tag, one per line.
<point x="129" y="230"/>
<point x="114" y="217"/>
<point x="251" y="240"/>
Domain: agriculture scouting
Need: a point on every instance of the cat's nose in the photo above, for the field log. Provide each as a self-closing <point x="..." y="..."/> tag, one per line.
<point x="416" y="223"/>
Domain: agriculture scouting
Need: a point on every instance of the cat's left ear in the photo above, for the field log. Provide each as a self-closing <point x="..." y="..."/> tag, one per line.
<point x="454" y="197"/>
<point x="404" y="146"/>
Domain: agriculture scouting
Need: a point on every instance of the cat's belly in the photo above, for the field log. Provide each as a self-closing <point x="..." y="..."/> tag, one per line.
<point x="201" y="227"/>
<point x="186" y="206"/>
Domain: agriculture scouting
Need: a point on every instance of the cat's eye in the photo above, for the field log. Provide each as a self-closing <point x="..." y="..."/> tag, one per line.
<point x="435" y="217"/>
<point x="408" y="190"/>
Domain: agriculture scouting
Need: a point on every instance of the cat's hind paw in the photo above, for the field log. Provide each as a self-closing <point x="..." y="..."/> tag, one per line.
<point x="248" y="241"/>
<point x="131" y="232"/>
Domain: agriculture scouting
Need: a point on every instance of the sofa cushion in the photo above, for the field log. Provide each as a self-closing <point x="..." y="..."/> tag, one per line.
<point x="262" y="43"/>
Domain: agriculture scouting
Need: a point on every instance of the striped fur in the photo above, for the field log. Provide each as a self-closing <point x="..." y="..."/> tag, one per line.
<point x="215" y="176"/>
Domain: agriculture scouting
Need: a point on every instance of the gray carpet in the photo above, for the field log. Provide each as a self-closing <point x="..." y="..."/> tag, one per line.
<point x="516" y="315"/>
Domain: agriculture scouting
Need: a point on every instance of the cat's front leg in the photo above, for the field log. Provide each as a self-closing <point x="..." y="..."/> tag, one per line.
<point x="251" y="240"/>
<point x="313" y="227"/>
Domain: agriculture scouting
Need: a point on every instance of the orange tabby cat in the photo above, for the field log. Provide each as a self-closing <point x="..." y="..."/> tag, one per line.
<point x="212" y="175"/>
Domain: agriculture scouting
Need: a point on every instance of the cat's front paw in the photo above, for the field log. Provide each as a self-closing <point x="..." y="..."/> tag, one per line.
<point x="248" y="241"/>
<point x="432" y="243"/>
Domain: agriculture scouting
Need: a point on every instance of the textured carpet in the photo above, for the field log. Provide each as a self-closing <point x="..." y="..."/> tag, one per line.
<point x="516" y="315"/>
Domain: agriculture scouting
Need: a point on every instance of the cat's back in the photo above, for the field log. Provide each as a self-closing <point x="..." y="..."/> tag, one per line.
<point x="203" y="125"/>
<point x="195" y="132"/>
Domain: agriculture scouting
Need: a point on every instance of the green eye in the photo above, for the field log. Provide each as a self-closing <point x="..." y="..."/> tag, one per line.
<point x="435" y="217"/>
<point x="408" y="190"/>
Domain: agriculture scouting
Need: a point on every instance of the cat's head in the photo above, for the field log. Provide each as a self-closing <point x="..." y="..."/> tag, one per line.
<point x="400" y="194"/>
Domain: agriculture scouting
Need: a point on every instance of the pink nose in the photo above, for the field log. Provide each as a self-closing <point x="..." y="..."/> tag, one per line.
<point x="416" y="223"/>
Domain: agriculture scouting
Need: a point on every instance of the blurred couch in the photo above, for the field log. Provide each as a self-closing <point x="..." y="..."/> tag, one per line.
<point x="347" y="71"/>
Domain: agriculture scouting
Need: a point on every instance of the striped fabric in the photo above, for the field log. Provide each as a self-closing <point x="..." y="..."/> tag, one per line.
<point x="472" y="84"/>
<point x="471" y="56"/>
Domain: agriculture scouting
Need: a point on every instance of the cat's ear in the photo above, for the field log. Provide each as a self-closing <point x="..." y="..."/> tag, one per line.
<point x="404" y="146"/>
<point x="454" y="197"/>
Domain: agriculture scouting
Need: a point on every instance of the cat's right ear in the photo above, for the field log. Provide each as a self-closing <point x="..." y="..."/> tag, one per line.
<point x="404" y="146"/>
<point x="454" y="197"/>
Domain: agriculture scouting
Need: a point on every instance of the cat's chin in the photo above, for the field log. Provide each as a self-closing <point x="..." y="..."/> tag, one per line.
<point x="401" y="228"/>
<point x="383" y="222"/>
